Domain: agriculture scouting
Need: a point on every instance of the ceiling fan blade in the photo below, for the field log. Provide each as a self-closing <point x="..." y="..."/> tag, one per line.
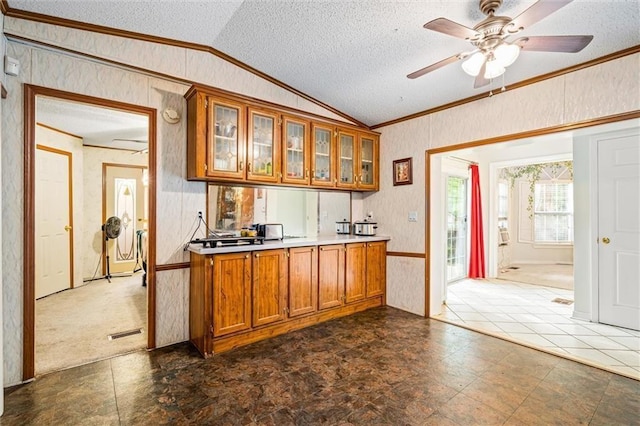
<point x="480" y="80"/>
<point x="434" y="67"/>
<point x="445" y="26"/>
<point x="536" y="12"/>
<point x="566" y="44"/>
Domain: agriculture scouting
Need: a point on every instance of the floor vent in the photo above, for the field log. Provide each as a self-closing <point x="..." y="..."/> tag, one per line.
<point x="562" y="301"/>
<point x="122" y="334"/>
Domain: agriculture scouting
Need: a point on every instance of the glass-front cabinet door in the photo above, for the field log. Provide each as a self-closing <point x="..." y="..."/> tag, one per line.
<point x="263" y="146"/>
<point x="295" y="164"/>
<point x="346" y="159"/>
<point x="226" y="138"/>
<point x="322" y="156"/>
<point x="367" y="173"/>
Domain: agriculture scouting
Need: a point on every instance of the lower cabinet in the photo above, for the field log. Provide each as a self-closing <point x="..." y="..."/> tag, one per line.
<point x="356" y="270"/>
<point x="303" y="280"/>
<point x="331" y="276"/>
<point x="240" y="298"/>
<point x="269" y="286"/>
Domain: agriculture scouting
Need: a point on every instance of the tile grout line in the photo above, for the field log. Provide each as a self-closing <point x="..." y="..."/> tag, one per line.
<point x="115" y="396"/>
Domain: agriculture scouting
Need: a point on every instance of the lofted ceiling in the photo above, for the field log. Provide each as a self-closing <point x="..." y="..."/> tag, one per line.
<point x="355" y="55"/>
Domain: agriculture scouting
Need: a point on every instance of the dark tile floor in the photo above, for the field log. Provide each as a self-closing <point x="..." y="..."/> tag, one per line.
<point x="382" y="366"/>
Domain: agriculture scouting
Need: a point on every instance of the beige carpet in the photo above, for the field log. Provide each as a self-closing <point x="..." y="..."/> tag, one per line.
<point x="553" y="275"/>
<point x="72" y="326"/>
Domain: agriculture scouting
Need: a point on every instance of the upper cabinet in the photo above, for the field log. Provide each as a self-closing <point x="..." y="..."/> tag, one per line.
<point x="295" y="149"/>
<point x="239" y="140"/>
<point x="263" y="146"/>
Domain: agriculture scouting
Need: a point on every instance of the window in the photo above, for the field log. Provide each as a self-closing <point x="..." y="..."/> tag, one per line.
<point x="553" y="212"/>
<point x="503" y="212"/>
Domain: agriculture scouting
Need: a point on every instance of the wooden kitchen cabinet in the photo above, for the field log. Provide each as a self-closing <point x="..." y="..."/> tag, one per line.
<point x="219" y="298"/>
<point x="376" y="277"/>
<point x="269" y="286"/>
<point x="365" y="270"/>
<point x="263" y="145"/>
<point x="355" y="272"/>
<point x="235" y="138"/>
<point x="331" y="276"/>
<point x="239" y="298"/>
<point x="368" y="170"/>
<point x="303" y="280"/>
<point x="215" y="138"/>
<point x="323" y="156"/>
<point x="295" y="150"/>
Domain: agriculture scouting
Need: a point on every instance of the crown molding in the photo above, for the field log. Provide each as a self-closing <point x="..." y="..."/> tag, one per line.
<point x="4" y="6"/>
<point x="69" y="23"/>
<point x="534" y="80"/>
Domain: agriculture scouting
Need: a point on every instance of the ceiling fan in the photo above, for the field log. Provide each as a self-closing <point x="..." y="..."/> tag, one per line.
<point x="493" y="52"/>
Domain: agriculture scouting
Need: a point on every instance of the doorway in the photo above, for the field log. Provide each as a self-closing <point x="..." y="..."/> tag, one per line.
<point x="456" y="218"/>
<point x="36" y="119"/>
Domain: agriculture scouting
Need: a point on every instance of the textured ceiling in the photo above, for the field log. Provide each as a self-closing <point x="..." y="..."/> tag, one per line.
<point x="96" y="125"/>
<point x="355" y="55"/>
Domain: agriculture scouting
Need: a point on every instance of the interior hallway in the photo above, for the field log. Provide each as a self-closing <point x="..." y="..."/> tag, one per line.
<point x="72" y="326"/>
<point x="527" y="314"/>
<point x="381" y="366"/>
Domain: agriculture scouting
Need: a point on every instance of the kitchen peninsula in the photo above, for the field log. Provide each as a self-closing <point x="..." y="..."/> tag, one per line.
<point x="240" y="294"/>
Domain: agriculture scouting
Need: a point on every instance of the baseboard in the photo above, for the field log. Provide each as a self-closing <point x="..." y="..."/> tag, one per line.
<point x="584" y="316"/>
<point x="538" y="262"/>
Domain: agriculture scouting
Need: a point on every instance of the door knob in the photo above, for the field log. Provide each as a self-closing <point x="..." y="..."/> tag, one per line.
<point x="605" y="240"/>
<point x="67" y="228"/>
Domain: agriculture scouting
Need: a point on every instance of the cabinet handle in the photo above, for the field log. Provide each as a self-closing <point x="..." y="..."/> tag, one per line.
<point x="313" y="249"/>
<point x="313" y="172"/>
<point x="321" y="248"/>
<point x="307" y="173"/>
<point x="257" y="254"/>
<point x="249" y="167"/>
<point x="241" y="165"/>
<point x="246" y="256"/>
<point x="335" y="181"/>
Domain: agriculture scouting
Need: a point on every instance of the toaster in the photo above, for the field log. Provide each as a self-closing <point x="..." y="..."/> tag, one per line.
<point x="270" y="231"/>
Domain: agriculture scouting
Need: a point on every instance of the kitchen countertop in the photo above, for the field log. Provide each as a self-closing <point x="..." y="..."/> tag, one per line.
<point x="320" y="240"/>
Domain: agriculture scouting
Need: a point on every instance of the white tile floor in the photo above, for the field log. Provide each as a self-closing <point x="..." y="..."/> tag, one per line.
<point x="525" y="313"/>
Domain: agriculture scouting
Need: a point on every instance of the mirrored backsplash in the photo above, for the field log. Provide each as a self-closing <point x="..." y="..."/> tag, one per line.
<point x="302" y="212"/>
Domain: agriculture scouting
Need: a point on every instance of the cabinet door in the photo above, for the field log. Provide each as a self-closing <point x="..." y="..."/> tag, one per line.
<point x="303" y="280"/>
<point x="346" y="159"/>
<point x="231" y="293"/>
<point x="322" y="156"/>
<point x="376" y="268"/>
<point x="331" y="276"/>
<point x="225" y="146"/>
<point x="368" y="157"/>
<point x="263" y="146"/>
<point x="269" y="286"/>
<point x="295" y="148"/>
<point x="355" y="273"/>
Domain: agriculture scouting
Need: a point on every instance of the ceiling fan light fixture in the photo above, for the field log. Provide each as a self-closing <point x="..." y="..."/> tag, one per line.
<point x="494" y="69"/>
<point x="473" y="65"/>
<point x="506" y="54"/>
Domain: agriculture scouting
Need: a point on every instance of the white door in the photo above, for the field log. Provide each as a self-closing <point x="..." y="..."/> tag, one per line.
<point x="125" y="198"/>
<point x="52" y="221"/>
<point x="619" y="230"/>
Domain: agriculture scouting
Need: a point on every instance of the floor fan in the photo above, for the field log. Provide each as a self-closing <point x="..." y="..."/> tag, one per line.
<point x="111" y="230"/>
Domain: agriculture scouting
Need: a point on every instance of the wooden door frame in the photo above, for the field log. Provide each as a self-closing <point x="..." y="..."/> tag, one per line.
<point x="104" y="200"/>
<point x="506" y="138"/>
<point x="69" y="156"/>
<point x="30" y="94"/>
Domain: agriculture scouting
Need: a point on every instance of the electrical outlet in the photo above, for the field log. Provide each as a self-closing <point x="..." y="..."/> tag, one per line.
<point x="413" y="216"/>
<point x="199" y="215"/>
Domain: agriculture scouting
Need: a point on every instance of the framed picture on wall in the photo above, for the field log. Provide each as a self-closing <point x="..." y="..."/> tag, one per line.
<point x="402" y="172"/>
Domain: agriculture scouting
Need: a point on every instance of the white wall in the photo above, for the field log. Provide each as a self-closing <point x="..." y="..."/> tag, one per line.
<point x="178" y="200"/>
<point x="579" y="96"/>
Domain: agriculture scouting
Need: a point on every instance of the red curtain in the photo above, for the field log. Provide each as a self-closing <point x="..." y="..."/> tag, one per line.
<point x="476" y="257"/>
